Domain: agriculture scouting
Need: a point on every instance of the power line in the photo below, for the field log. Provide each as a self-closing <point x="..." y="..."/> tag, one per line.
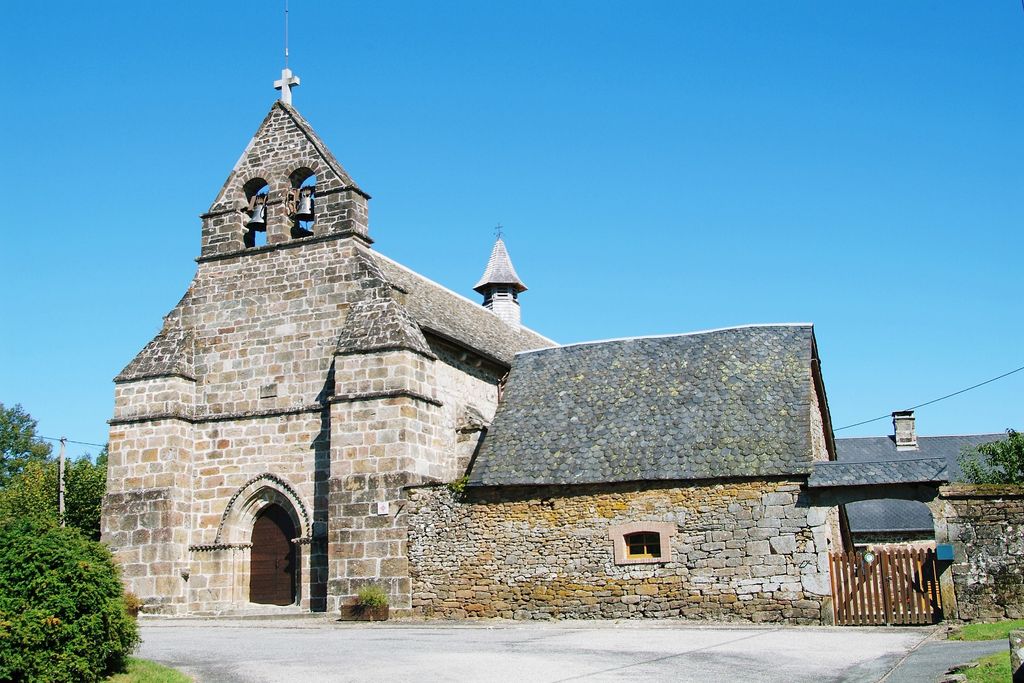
<point x="81" y="443"/>
<point x="934" y="400"/>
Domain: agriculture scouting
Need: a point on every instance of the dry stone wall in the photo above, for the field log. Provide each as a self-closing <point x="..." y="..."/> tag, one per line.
<point x="986" y="526"/>
<point x="743" y="551"/>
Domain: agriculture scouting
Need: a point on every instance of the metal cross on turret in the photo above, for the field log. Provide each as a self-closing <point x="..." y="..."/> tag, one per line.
<point x="286" y="83"/>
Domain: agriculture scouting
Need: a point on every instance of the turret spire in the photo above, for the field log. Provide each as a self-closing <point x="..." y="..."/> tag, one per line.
<point x="500" y="284"/>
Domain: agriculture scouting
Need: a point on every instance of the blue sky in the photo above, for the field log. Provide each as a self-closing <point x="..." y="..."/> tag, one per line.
<point x="658" y="168"/>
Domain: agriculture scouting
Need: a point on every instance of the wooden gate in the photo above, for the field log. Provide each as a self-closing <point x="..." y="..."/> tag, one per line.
<point x="898" y="585"/>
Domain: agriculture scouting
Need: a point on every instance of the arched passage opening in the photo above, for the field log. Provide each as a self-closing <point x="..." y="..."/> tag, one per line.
<point x="273" y="559"/>
<point x="884" y="521"/>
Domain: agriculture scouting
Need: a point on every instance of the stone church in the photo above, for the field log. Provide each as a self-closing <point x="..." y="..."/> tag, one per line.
<point x="313" y="416"/>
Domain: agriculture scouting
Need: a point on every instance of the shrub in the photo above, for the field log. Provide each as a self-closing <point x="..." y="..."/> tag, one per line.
<point x="62" y="612"/>
<point x="372" y="595"/>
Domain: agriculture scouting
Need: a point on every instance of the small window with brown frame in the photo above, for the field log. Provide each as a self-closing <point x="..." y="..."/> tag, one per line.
<point x="642" y="542"/>
<point x="643" y="545"/>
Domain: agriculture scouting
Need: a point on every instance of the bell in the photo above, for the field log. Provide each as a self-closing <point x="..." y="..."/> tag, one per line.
<point x="258" y="217"/>
<point x="305" y="210"/>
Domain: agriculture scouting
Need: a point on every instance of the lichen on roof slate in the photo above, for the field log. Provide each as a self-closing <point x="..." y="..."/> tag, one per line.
<point x="725" y="403"/>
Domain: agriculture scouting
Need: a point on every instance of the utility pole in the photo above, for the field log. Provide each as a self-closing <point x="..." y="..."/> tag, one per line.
<point x="60" y="482"/>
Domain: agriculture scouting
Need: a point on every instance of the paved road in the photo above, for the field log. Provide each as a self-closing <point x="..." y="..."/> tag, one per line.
<point x="317" y="650"/>
<point x="933" y="658"/>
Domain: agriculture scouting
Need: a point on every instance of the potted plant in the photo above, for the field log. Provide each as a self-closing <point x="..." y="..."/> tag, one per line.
<point x="132" y="604"/>
<point x="372" y="603"/>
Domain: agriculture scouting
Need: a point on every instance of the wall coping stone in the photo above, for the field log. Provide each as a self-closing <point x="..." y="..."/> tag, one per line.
<point x="385" y="349"/>
<point x="221" y="417"/>
<point x="374" y="395"/>
<point x="982" y="491"/>
<point x="154" y="375"/>
<point x="281" y="246"/>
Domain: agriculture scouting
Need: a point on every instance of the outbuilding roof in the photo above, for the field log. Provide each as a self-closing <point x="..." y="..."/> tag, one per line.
<point x="724" y="403"/>
<point x="887" y="515"/>
<point x="878" y="448"/>
<point x="906" y="471"/>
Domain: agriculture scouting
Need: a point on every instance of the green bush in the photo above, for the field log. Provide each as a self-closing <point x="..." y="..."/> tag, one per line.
<point x="62" y="612"/>
<point x="372" y="595"/>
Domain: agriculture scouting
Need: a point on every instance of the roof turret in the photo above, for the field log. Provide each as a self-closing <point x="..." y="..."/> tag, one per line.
<point x="499" y="270"/>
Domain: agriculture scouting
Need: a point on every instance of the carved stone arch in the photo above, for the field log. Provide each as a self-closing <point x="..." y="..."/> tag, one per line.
<point x="251" y="499"/>
<point x="305" y="169"/>
<point x="238" y="193"/>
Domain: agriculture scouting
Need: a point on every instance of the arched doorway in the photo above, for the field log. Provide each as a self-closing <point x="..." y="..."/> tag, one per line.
<point x="273" y="559"/>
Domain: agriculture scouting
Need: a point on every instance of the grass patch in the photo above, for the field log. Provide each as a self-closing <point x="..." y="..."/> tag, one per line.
<point x="992" y="669"/>
<point x="999" y="630"/>
<point x="143" y="671"/>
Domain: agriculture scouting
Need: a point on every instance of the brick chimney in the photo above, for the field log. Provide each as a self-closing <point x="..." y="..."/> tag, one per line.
<point x="903" y="428"/>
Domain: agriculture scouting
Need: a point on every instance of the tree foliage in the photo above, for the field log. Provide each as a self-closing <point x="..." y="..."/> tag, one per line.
<point x="28" y="478"/>
<point x="19" y="444"/>
<point x="998" y="462"/>
<point x="33" y="494"/>
<point x="62" y="612"/>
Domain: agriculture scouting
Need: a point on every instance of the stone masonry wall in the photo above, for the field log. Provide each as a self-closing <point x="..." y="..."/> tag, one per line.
<point x="986" y="526"/>
<point x="385" y="433"/>
<point x="145" y="516"/>
<point x="742" y="551"/>
<point x="282" y="152"/>
<point x="468" y="390"/>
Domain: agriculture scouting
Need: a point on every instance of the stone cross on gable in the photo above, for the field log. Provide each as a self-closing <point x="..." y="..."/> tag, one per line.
<point x="285" y="85"/>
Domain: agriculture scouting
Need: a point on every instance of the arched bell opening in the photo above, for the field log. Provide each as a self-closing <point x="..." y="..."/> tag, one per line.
<point x="273" y="563"/>
<point x="302" y="202"/>
<point x="257" y="192"/>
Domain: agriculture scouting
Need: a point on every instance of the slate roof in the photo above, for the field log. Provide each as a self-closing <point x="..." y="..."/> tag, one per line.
<point x="170" y="353"/>
<point x="724" y="403"/>
<point x="379" y="325"/>
<point x="440" y="311"/>
<point x="892" y="515"/>
<point x="860" y="449"/>
<point x="879" y="472"/>
<point x="499" y="270"/>
<point x="889" y="516"/>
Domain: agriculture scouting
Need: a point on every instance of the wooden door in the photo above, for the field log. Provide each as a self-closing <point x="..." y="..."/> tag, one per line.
<point x="272" y="570"/>
<point x="898" y="586"/>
